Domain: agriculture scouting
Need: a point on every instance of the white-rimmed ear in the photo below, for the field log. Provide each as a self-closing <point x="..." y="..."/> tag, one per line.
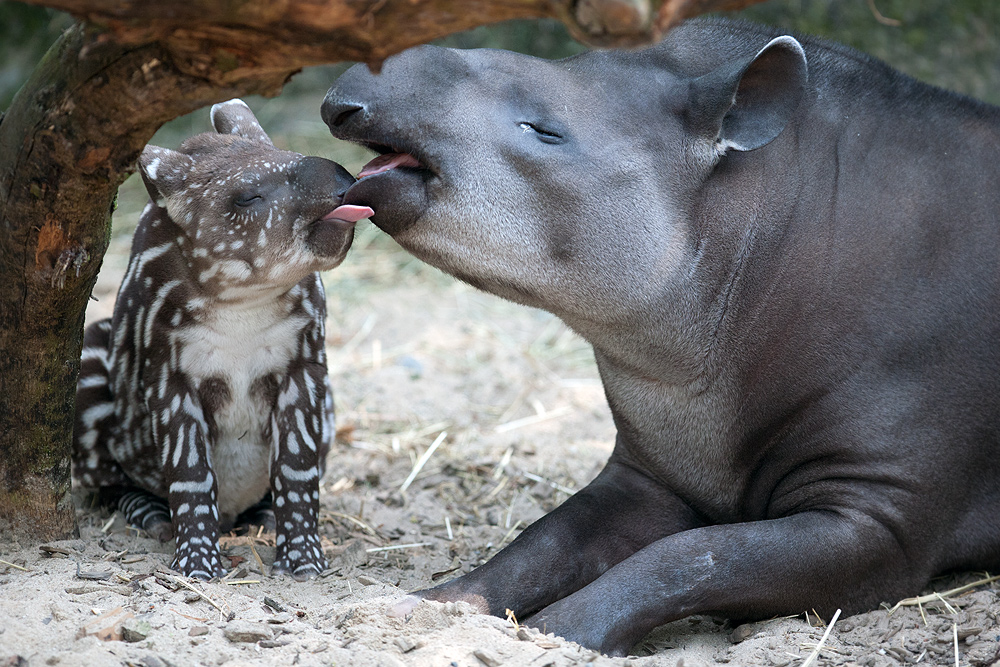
<point x="745" y="104"/>
<point x="163" y="171"/>
<point x="235" y="117"/>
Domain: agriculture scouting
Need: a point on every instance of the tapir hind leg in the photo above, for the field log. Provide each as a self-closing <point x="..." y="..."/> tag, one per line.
<point x="822" y="560"/>
<point x="621" y="511"/>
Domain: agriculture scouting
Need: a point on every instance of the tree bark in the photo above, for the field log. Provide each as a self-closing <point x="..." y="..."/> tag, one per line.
<point x="74" y="131"/>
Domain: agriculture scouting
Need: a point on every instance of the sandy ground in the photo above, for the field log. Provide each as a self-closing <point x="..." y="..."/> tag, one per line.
<point x="514" y="400"/>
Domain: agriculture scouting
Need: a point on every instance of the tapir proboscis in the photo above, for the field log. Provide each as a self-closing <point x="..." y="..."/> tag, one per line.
<point x="786" y="256"/>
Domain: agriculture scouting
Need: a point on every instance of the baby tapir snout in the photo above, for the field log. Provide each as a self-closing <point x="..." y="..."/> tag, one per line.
<point x="251" y="215"/>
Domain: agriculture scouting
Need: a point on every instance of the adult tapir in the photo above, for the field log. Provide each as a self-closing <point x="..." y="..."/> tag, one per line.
<point x="786" y="256"/>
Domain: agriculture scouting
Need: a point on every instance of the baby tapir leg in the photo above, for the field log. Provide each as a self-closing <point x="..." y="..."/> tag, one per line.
<point x="299" y="440"/>
<point x="96" y="427"/>
<point x="142" y="509"/>
<point x="192" y="489"/>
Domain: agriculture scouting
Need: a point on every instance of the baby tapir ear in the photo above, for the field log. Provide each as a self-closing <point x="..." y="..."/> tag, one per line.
<point x="163" y="171"/>
<point x="745" y="104"/>
<point x="235" y="117"/>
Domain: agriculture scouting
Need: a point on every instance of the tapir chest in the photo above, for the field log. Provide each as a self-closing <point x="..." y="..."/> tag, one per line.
<point x="235" y="364"/>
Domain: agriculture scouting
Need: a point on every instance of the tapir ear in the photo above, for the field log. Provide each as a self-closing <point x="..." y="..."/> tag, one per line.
<point x="235" y="117"/>
<point x="746" y="104"/>
<point x="163" y="171"/>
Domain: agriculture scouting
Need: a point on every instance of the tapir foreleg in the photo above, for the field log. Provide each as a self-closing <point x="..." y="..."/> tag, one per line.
<point x="821" y="560"/>
<point x="621" y="511"/>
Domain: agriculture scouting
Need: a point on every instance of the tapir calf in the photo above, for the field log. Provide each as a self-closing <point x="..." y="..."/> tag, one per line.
<point x="204" y="401"/>
<point x="786" y="256"/>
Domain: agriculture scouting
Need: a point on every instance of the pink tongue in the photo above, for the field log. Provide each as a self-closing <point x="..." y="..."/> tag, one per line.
<point x="387" y="162"/>
<point x="349" y="213"/>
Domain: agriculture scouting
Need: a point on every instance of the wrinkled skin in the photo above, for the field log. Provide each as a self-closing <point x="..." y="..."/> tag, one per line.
<point x="785" y="257"/>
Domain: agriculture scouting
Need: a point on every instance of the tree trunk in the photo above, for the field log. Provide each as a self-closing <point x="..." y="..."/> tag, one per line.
<point x="69" y="139"/>
<point x="74" y="131"/>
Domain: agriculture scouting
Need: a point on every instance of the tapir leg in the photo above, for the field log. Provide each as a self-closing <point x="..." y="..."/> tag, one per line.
<point x="822" y="560"/>
<point x="621" y="511"/>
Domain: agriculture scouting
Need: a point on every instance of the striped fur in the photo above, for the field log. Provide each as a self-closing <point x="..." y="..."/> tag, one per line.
<point x="208" y="389"/>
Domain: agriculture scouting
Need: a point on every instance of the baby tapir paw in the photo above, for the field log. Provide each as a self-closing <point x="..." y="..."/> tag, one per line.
<point x="198" y="558"/>
<point x="302" y="557"/>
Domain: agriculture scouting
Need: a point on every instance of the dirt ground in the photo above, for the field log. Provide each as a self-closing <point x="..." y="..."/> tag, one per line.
<point x="510" y="401"/>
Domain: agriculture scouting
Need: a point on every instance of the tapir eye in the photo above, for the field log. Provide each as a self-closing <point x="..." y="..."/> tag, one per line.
<point x="545" y="134"/>
<point x="245" y="199"/>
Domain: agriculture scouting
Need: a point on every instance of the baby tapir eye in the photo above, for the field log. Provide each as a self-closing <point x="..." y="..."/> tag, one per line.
<point x="245" y="199"/>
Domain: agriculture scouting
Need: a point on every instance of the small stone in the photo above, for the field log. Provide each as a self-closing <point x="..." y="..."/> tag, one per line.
<point x="198" y="631"/>
<point x="247" y="632"/>
<point x="191" y="596"/>
<point x="524" y="635"/>
<point x="277" y="619"/>
<point x="273" y="643"/>
<point x="486" y="657"/>
<point x="367" y="581"/>
<point x="406" y="644"/>
<point x="135" y="630"/>
<point x="741" y="633"/>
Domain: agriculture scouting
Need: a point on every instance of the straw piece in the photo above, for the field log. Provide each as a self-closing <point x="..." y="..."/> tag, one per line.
<point x="533" y="419"/>
<point x="422" y="461"/>
<point x="815" y="654"/>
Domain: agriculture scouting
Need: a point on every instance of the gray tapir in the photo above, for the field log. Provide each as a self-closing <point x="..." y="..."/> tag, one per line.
<point x="786" y="256"/>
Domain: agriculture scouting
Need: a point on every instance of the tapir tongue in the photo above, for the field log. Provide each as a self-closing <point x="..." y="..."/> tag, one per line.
<point x="349" y="213"/>
<point x="387" y="162"/>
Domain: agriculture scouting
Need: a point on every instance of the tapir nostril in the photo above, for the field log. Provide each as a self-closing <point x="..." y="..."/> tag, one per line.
<point x="345" y="114"/>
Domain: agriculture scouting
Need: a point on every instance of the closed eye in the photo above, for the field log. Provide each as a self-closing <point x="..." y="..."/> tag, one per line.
<point x="246" y="199"/>
<point x="544" y="134"/>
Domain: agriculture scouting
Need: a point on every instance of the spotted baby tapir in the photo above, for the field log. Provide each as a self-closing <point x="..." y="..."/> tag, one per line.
<point x="206" y="396"/>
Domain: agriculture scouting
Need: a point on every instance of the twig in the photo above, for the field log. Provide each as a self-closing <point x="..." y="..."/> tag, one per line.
<point x="241" y="581"/>
<point x="228" y="614"/>
<point x="422" y="460"/>
<point x="533" y="419"/>
<point x="256" y="556"/>
<point x="932" y="597"/>
<point x="815" y="654"/>
<point x="4" y="562"/>
<point x="353" y="519"/>
<point x="447" y="525"/>
<point x="555" y="485"/>
<point x="398" y="546"/>
<point x="954" y="634"/>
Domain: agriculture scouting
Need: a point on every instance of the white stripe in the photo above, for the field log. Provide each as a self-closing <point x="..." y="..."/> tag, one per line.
<point x="306" y="475"/>
<point x="161" y="296"/>
<point x="92" y="381"/>
<point x="95" y="413"/>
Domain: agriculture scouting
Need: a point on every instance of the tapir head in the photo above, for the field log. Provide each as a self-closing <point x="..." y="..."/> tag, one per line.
<point x="250" y="216"/>
<point x="560" y="184"/>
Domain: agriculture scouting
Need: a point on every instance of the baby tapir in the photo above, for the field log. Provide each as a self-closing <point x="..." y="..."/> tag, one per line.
<point x="787" y="259"/>
<point x="207" y="395"/>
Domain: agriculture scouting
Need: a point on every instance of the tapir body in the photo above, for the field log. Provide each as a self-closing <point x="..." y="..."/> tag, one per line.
<point x="786" y="256"/>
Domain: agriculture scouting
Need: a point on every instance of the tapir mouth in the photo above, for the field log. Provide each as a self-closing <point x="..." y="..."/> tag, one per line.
<point x="387" y="162"/>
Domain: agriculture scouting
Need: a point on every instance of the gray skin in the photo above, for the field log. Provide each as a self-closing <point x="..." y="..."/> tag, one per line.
<point x="785" y="256"/>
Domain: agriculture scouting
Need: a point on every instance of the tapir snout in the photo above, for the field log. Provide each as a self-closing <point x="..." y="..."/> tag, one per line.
<point x="785" y="256"/>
